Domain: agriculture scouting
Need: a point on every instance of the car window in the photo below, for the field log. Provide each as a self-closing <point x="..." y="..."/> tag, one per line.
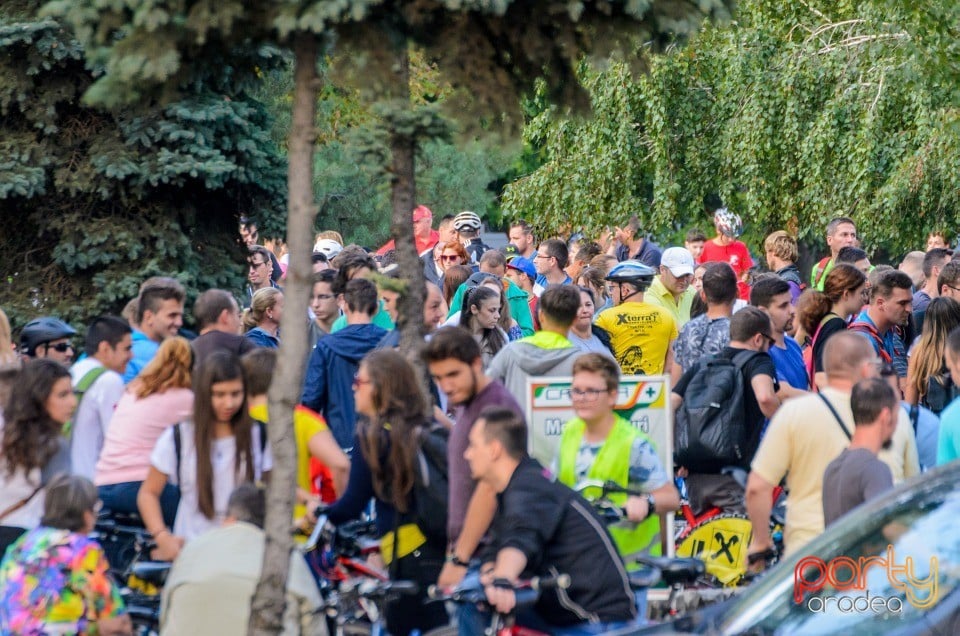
<point x="892" y="593"/>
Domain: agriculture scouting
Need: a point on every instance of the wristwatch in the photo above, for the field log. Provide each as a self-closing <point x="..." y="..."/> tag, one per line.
<point x="651" y="505"/>
<point x="453" y="558"/>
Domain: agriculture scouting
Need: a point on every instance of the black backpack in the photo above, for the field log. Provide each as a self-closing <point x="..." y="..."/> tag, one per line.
<point x="430" y="484"/>
<point x="710" y="431"/>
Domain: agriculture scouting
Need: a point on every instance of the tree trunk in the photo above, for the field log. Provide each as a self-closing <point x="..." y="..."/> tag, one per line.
<point x="269" y="599"/>
<point x="403" y="199"/>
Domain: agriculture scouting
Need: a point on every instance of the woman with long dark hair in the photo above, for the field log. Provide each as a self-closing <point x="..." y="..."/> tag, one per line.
<point x="480" y="315"/>
<point x="822" y="314"/>
<point x="218" y="450"/>
<point x="391" y="406"/>
<point x="33" y="449"/>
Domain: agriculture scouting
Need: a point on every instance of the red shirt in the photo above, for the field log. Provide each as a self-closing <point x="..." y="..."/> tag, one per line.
<point x="422" y="244"/>
<point x="736" y="254"/>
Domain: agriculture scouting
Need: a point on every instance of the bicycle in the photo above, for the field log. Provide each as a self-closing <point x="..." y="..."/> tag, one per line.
<point x="719" y="539"/>
<point x="722" y="538"/>
<point x="376" y="595"/>
<point x="127" y="546"/>
<point x="336" y="556"/>
<point x="527" y="593"/>
<point x="676" y="573"/>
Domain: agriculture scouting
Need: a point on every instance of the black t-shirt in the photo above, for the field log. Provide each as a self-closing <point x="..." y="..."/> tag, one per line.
<point x="761" y="364"/>
<point x="829" y="328"/>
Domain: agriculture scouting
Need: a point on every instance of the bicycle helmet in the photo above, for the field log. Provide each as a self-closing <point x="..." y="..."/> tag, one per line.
<point x="41" y="330"/>
<point x="728" y="223"/>
<point x="468" y="221"/>
<point x="633" y="272"/>
<point x="328" y="247"/>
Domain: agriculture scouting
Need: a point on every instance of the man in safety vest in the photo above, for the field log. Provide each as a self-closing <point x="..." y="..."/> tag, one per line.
<point x="599" y="444"/>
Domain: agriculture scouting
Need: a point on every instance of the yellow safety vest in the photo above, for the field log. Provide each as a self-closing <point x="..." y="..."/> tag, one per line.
<point x="612" y="463"/>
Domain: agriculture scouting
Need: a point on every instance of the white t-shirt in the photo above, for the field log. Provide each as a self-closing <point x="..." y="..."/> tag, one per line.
<point x="190" y="521"/>
<point x="93" y="416"/>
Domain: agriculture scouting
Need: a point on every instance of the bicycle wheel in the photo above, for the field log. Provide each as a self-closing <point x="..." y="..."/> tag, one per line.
<point x="721" y="543"/>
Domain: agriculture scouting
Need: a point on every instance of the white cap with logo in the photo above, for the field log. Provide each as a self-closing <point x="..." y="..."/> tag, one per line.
<point x="678" y="260"/>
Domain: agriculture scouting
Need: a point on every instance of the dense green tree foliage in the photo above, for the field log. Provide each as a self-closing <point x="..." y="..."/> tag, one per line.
<point x="452" y="175"/>
<point x="92" y="201"/>
<point x="796" y="113"/>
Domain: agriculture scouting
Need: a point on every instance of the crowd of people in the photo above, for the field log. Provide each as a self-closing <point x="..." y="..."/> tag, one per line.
<point x="841" y="387"/>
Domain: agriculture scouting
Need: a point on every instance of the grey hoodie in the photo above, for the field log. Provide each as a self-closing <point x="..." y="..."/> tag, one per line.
<point x="524" y="358"/>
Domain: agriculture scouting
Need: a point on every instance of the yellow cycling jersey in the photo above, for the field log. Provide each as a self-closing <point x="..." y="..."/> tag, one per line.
<point x="640" y="334"/>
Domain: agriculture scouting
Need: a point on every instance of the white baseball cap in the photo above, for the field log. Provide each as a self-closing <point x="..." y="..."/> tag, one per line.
<point x="678" y="260"/>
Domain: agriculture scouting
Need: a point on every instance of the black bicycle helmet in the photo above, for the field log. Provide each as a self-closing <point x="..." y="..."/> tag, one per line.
<point x="633" y="272"/>
<point x="41" y="330"/>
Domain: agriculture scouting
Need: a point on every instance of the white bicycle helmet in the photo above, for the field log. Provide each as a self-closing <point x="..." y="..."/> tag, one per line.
<point x="328" y="247"/>
<point x="728" y="223"/>
<point x="468" y="221"/>
<point x="633" y="272"/>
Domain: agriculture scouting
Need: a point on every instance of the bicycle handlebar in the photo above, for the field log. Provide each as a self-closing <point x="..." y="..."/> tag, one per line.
<point x="388" y="589"/>
<point x="536" y="584"/>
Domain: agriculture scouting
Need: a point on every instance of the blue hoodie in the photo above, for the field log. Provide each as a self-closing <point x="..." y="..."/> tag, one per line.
<point x="328" y="387"/>
<point x="143" y="351"/>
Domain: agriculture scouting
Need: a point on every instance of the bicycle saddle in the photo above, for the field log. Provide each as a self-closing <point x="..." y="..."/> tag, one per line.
<point x="675" y="571"/>
<point x="153" y="572"/>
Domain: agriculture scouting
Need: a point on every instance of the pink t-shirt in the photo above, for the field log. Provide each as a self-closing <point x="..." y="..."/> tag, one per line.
<point x="134" y="429"/>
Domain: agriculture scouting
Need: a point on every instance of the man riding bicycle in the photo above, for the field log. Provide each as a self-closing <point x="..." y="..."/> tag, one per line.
<point x="542" y="528"/>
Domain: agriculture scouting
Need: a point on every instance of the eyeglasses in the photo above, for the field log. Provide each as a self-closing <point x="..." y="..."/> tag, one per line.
<point x="61" y="347"/>
<point x="586" y="394"/>
<point x="255" y="264"/>
<point x="450" y="257"/>
<point x="358" y="382"/>
<point x="543" y="256"/>
<point x="952" y="287"/>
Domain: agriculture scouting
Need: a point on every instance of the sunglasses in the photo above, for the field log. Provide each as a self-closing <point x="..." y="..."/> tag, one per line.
<point x="61" y="347"/>
<point x="449" y="257"/>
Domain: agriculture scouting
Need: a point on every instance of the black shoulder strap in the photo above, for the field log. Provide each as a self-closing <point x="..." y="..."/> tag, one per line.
<point x="262" y="427"/>
<point x="836" y="415"/>
<point x="177" y="446"/>
<point x="741" y="358"/>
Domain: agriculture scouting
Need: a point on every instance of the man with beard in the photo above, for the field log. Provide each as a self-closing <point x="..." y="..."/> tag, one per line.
<point x="857" y="475"/>
<point x="884" y="319"/>
<point x="772" y="296"/>
<point x="453" y="359"/>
